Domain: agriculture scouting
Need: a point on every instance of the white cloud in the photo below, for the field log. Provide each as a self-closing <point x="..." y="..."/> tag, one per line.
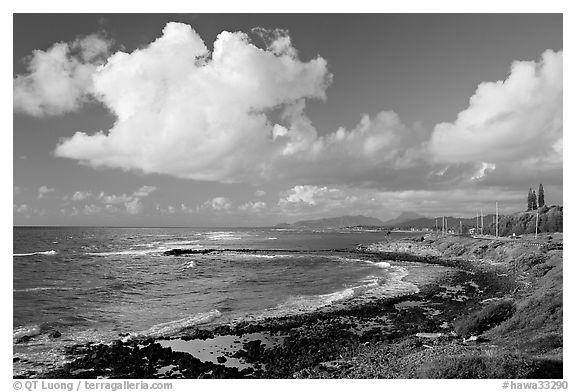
<point x="304" y="194"/>
<point x="43" y="190"/>
<point x="125" y="203"/>
<point x="114" y="199"/>
<point x="79" y="196"/>
<point x="253" y="206"/>
<point x="217" y="204"/>
<point x="91" y="209"/>
<point x="260" y="193"/>
<point x="21" y="208"/>
<point x="134" y="206"/>
<point x="187" y="209"/>
<point x="145" y="191"/>
<point x="59" y="79"/>
<point x="183" y="112"/>
<point x="516" y="119"/>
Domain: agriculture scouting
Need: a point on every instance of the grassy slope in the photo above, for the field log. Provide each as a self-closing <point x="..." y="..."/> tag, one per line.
<point x="518" y="336"/>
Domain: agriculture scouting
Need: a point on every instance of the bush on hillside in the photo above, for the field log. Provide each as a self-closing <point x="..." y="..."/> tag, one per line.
<point x="485" y="319"/>
<point x="500" y="365"/>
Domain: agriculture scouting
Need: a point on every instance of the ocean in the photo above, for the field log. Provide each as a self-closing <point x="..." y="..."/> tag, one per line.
<point x="95" y="284"/>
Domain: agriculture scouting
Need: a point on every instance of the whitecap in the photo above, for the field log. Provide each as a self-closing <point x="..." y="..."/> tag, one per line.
<point x="308" y="303"/>
<point x="222" y="236"/>
<point x="395" y="285"/>
<point x="27" y="330"/>
<point x="379" y="264"/>
<point x="34" y="289"/>
<point x="45" y="253"/>
<point x="172" y="327"/>
<point x="191" y="242"/>
<point x="127" y="252"/>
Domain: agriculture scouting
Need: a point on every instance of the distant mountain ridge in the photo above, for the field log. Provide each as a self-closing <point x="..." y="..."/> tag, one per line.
<point x="403" y="217"/>
<point x="341" y="221"/>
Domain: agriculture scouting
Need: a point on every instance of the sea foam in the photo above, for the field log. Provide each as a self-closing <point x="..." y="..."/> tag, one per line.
<point x="172" y="327"/>
<point x="45" y="253"/>
<point x="27" y="330"/>
<point x="128" y="252"/>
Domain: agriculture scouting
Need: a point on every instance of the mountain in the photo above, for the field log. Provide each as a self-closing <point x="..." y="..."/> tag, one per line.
<point x="403" y="217"/>
<point x="341" y="221"/>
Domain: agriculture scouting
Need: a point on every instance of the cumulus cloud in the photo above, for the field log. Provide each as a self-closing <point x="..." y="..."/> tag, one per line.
<point x="114" y="199"/>
<point x="92" y="209"/>
<point x="260" y="193"/>
<point x="145" y="191"/>
<point x="253" y="206"/>
<point x="79" y="196"/>
<point x="184" y="111"/>
<point x="516" y="119"/>
<point x="304" y="194"/>
<point x="134" y="206"/>
<point x="217" y="204"/>
<point x="21" y="208"/>
<point x="378" y="150"/>
<point x="43" y="190"/>
<point x="110" y="203"/>
<point x="187" y="209"/>
<point x="59" y="79"/>
<point x="238" y="114"/>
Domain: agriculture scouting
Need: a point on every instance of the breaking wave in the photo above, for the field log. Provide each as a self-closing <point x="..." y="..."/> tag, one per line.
<point x="27" y="330"/>
<point x="45" y="253"/>
<point x="172" y="327"/>
<point x="128" y="252"/>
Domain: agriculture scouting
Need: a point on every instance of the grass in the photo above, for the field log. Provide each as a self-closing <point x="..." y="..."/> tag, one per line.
<point x="491" y="365"/>
<point x="488" y="317"/>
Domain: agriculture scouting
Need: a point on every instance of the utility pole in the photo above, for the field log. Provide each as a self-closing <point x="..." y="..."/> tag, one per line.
<point x="481" y="222"/>
<point x="476" y="223"/>
<point x="496" y="219"/>
<point x="536" y="236"/>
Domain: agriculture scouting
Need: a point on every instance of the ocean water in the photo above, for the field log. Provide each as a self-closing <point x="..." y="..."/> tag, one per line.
<point x="97" y="284"/>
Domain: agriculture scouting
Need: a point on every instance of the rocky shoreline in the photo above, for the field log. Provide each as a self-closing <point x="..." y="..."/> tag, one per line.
<point x="474" y="322"/>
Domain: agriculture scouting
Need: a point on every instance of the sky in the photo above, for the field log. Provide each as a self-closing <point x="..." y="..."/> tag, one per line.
<point x="257" y="119"/>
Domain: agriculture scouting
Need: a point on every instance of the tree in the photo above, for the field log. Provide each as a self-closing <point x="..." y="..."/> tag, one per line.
<point x="534" y="200"/>
<point x="541" y="196"/>
<point x="530" y="200"/>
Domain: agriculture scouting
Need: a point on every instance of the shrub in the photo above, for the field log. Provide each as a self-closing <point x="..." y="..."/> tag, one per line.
<point x="502" y="365"/>
<point x="485" y="319"/>
<point x="543" y="344"/>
